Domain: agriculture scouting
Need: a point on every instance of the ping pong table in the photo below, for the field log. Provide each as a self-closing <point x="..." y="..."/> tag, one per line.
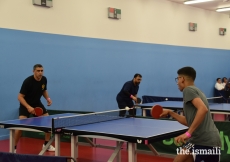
<point x="215" y="108"/>
<point x="120" y="129"/>
<point x="36" y="124"/>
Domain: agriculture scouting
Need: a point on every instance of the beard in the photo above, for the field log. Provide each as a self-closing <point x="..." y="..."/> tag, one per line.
<point x="137" y="83"/>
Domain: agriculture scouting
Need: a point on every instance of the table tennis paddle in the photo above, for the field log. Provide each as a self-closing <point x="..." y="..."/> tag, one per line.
<point x="138" y="100"/>
<point x="38" y="111"/>
<point x="156" y="111"/>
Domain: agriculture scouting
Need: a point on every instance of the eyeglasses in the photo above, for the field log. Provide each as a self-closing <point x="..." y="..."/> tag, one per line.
<point x="177" y="78"/>
<point x="39" y="70"/>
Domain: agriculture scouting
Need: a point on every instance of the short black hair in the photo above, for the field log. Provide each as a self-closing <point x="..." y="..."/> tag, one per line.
<point x="37" y="65"/>
<point x="137" y="75"/>
<point x="223" y="79"/>
<point x="218" y="79"/>
<point x="188" y="71"/>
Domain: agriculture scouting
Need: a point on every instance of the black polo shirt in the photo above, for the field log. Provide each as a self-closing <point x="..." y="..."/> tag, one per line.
<point x="33" y="90"/>
<point x="129" y="88"/>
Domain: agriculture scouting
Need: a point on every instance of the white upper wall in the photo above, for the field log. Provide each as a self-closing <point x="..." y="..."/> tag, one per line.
<point x="148" y="21"/>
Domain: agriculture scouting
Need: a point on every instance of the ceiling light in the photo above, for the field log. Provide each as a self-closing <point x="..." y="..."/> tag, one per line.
<point x="223" y="9"/>
<point x="196" y="1"/>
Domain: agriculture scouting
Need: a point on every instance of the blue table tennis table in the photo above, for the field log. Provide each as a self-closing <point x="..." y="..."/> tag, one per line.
<point x="215" y="108"/>
<point x="120" y="129"/>
<point x="36" y="124"/>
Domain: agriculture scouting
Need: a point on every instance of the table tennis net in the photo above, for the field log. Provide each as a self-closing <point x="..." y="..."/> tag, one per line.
<point x="83" y="119"/>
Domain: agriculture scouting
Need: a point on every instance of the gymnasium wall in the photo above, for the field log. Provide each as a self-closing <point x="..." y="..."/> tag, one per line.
<point x="146" y="21"/>
<point x="87" y="57"/>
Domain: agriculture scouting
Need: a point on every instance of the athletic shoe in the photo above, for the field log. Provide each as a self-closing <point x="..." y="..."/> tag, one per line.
<point x="50" y="148"/>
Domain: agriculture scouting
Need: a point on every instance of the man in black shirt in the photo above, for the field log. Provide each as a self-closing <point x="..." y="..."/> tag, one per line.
<point x="29" y="97"/>
<point x="128" y="94"/>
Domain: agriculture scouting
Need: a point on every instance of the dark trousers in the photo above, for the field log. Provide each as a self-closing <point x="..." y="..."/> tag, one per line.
<point x="125" y="103"/>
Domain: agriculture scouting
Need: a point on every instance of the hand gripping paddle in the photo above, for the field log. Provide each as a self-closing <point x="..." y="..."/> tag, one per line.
<point x="38" y="111"/>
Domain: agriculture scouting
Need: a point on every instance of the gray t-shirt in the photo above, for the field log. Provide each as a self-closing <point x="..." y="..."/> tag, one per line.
<point x="206" y="133"/>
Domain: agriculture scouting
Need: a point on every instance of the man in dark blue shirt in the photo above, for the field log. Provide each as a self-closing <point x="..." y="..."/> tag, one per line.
<point x="128" y="94"/>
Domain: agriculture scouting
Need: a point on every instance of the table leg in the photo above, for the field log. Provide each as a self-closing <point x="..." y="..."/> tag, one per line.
<point x="153" y="149"/>
<point x="143" y="112"/>
<point x="119" y="153"/>
<point x="74" y="147"/>
<point x="132" y="157"/>
<point x="12" y="144"/>
<point x="57" y="144"/>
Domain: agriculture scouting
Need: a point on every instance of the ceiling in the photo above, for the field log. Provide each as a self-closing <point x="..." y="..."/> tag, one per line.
<point x="211" y="5"/>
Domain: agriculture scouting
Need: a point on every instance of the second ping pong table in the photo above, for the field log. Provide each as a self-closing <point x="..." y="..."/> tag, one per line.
<point x="215" y="108"/>
<point x="120" y="129"/>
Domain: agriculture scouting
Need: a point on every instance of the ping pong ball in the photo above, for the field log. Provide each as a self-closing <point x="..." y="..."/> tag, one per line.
<point x="166" y="99"/>
<point x="126" y="108"/>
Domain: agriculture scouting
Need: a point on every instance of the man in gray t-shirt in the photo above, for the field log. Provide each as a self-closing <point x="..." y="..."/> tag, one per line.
<point x="202" y="134"/>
